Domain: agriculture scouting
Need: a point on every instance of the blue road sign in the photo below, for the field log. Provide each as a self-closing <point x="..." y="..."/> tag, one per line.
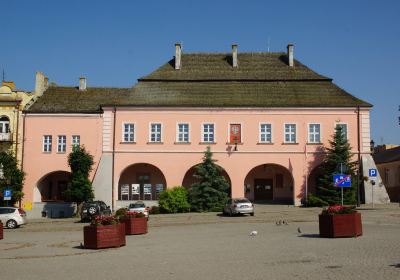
<point x="341" y="180"/>
<point x="372" y="172"/>
<point x="7" y="194"/>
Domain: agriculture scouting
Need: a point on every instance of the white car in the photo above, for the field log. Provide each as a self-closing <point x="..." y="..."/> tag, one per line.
<point x="238" y="206"/>
<point x="139" y="207"/>
<point x="12" y="217"/>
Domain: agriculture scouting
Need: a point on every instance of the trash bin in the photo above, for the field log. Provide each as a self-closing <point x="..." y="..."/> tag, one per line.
<point x="44" y="214"/>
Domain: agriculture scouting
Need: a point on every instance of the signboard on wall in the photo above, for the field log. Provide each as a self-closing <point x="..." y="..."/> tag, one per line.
<point x="135" y="188"/>
<point x="125" y="189"/>
<point x="147" y="188"/>
<point x="159" y="188"/>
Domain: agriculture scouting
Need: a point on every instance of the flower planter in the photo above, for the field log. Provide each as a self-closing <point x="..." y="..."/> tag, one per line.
<point x="1" y="231"/>
<point x="135" y="225"/>
<point x="340" y="225"/>
<point x="97" y="237"/>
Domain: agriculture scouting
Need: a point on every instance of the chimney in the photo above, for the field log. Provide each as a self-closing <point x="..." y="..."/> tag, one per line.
<point x="40" y="84"/>
<point x="234" y="56"/>
<point x="290" y="49"/>
<point x="178" y="54"/>
<point x="82" y="83"/>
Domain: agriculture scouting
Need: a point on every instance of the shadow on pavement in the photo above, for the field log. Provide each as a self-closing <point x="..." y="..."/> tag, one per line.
<point x="313" y="235"/>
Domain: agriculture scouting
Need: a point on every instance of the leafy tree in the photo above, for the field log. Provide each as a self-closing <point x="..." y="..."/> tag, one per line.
<point x="174" y="200"/>
<point x="339" y="152"/>
<point x="210" y="193"/>
<point x="80" y="188"/>
<point x="12" y="178"/>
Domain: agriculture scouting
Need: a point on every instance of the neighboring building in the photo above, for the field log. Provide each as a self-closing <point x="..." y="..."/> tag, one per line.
<point x="384" y="147"/>
<point x="12" y="102"/>
<point x="266" y="117"/>
<point x="388" y="163"/>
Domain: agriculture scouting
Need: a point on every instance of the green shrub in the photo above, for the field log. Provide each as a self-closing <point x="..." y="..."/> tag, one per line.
<point x="314" y="201"/>
<point x="121" y="212"/>
<point x="154" y="210"/>
<point x="174" y="200"/>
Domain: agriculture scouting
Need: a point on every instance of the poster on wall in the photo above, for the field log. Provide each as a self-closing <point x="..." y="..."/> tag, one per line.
<point x="147" y="188"/>
<point x="159" y="188"/>
<point x="125" y="189"/>
<point x="135" y="188"/>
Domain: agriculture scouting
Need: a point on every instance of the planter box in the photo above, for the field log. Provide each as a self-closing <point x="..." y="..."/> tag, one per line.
<point x="97" y="237"/>
<point x="1" y="231"/>
<point x="343" y="225"/>
<point x="135" y="225"/>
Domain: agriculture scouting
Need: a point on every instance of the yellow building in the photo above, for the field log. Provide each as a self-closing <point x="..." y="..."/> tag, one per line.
<point x="12" y="102"/>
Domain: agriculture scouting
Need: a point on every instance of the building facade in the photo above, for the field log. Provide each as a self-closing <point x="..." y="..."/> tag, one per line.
<point x="265" y="116"/>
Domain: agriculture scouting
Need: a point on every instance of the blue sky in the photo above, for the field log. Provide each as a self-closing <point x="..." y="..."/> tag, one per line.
<point x="113" y="43"/>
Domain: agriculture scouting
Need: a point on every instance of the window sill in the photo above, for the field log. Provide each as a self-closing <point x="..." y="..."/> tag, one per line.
<point x="229" y="143"/>
<point x="319" y="143"/>
<point x="182" y="143"/>
<point x="155" y="143"/>
<point x="127" y="143"/>
<point x="265" y="143"/>
<point x="61" y="152"/>
<point x="207" y="143"/>
<point x="46" y="152"/>
<point x="284" y="143"/>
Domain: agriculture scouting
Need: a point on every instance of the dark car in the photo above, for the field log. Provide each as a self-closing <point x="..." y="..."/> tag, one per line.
<point x="94" y="208"/>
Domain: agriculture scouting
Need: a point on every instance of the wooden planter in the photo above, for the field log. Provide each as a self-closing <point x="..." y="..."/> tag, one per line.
<point x="135" y="225"/>
<point x="1" y="231"/>
<point x="97" y="237"/>
<point x="342" y="225"/>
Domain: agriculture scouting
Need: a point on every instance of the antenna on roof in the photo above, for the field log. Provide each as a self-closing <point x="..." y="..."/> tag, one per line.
<point x="268" y="45"/>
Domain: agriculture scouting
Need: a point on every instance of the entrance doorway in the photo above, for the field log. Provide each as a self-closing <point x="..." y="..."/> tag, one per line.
<point x="263" y="189"/>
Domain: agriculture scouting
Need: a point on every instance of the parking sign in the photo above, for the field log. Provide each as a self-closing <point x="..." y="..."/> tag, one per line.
<point x="372" y="172"/>
<point x="7" y="194"/>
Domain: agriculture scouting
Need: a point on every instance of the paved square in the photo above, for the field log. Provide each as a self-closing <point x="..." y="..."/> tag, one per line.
<point x="209" y="246"/>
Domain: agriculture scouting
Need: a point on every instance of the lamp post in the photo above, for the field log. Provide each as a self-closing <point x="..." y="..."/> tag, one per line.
<point x="341" y="167"/>
<point x="235" y="141"/>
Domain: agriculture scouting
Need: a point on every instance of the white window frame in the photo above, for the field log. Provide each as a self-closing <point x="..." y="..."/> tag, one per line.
<point x="74" y="142"/>
<point x="295" y="133"/>
<point x="203" y="133"/>
<point x="178" y="133"/>
<point x="160" y="132"/>
<point x="47" y="145"/>
<point x="260" y="133"/>
<point x="347" y="128"/>
<point x="61" y="143"/>
<point x="314" y="134"/>
<point x="133" y="134"/>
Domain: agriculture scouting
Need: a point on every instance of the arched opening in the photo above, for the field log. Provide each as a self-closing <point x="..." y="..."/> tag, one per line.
<point x="53" y="185"/>
<point x="190" y="179"/>
<point x="141" y="181"/>
<point x="269" y="183"/>
<point x="313" y="179"/>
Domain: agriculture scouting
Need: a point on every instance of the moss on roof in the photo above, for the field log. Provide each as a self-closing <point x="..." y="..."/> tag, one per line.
<point x="209" y="80"/>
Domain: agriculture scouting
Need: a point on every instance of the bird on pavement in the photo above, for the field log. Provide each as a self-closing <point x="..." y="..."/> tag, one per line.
<point x="253" y="233"/>
<point x="298" y="230"/>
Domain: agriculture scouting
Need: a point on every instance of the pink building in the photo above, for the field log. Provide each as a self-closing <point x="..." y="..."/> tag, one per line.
<point x="265" y="116"/>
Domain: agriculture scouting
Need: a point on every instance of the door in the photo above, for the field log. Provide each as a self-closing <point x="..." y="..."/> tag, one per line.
<point x="143" y="179"/>
<point x="263" y="189"/>
<point x="235" y="134"/>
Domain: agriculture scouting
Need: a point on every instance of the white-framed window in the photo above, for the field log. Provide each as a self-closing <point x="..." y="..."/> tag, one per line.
<point x="47" y="141"/>
<point x="129" y="132"/>
<point x="182" y="132"/>
<point x="61" y="144"/>
<point x="290" y="133"/>
<point x="344" y="129"/>
<point x="208" y="133"/>
<point x="76" y="140"/>
<point x="314" y="133"/>
<point x="265" y="133"/>
<point x="155" y="132"/>
<point x="4" y="125"/>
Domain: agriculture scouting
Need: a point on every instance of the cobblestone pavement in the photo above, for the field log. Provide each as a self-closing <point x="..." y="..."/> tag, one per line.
<point x="210" y="246"/>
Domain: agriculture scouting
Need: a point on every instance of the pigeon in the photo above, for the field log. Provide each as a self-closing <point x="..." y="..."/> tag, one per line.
<point x="253" y="233"/>
<point x="298" y="230"/>
<point x="285" y="223"/>
<point x="82" y="247"/>
<point x="277" y="223"/>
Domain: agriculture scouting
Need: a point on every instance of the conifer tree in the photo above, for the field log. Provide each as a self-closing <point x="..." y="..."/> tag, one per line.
<point x="210" y="193"/>
<point x="338" y="153"/>
<point x="80" y="188"/>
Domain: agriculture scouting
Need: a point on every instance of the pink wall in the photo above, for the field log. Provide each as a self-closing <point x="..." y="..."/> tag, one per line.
<point x="38" y="164"/>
